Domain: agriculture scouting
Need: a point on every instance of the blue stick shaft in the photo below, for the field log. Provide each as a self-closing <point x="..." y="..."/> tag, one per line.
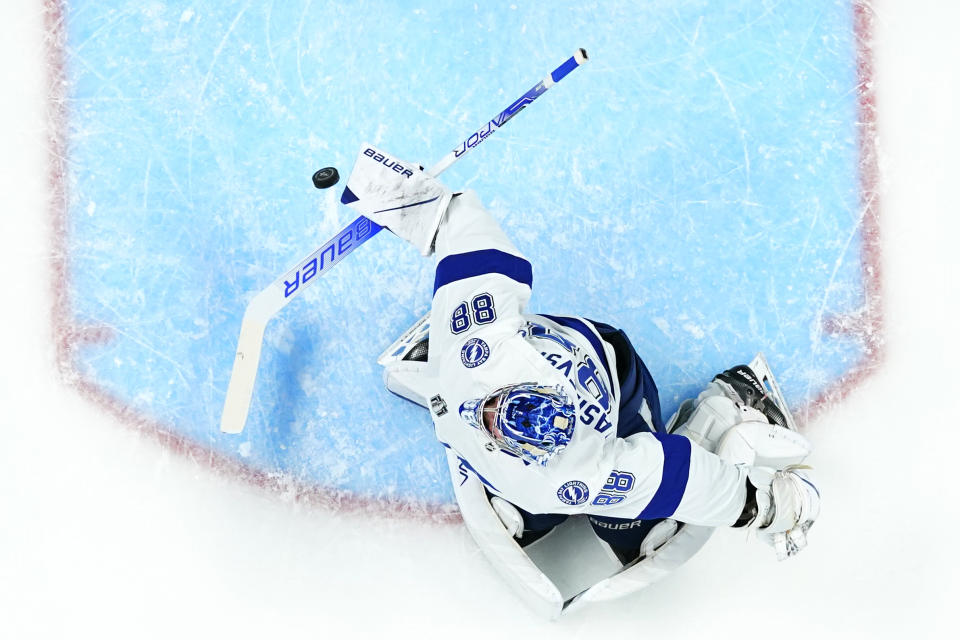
<point x="516" y="107"/>
<point x="362" y="229"/>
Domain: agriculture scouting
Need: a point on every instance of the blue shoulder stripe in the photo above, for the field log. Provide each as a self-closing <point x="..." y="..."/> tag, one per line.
<point x="461" y="266"/>
<point x="673" y="482"/>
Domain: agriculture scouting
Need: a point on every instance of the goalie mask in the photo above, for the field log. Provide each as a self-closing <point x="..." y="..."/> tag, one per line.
<point x="531" y="421"/>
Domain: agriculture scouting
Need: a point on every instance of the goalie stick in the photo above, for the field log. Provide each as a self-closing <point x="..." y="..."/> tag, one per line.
<point x="277" y="295"/>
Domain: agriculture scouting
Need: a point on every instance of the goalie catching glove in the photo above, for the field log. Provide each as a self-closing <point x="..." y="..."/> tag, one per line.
<point x="781" y="506"/>
<point x="397" y="195"/>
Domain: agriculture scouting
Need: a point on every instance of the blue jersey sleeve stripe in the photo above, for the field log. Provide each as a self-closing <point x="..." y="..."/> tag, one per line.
<point x="461" y="266"/>
<point x="581" y="327"/>
<point x="673" y="482"/>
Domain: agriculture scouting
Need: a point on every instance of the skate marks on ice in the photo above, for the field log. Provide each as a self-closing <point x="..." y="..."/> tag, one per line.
<point x="709" y="186"/>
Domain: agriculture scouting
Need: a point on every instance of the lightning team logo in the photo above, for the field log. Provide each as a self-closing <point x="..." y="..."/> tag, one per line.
<point x="573" y="492"/>
<point x="474" y="353"/>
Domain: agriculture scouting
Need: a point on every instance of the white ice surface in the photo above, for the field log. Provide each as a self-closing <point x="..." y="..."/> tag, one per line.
<point x="104" y="534"/>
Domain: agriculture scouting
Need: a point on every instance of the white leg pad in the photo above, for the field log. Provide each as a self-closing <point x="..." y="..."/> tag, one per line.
<point x="660" y="563"/>
<point x="714" y="415"/>
<point x="763" y="444"/>
<point x="659" y="534"/>
<point x="570" y="566"/>
<point x="499" y="546"/>
<point x="509" y="516"/>
<point x="408" y="379"/>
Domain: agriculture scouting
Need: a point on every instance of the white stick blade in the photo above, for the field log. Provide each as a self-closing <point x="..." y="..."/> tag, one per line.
<point x="245" y="364"/>
<point x="242" y="379"/>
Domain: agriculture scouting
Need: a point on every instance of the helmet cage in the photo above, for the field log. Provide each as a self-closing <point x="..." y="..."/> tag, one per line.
<point x="534" y="422"/>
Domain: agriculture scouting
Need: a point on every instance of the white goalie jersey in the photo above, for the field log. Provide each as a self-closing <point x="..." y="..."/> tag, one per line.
<point x="481" y="340"/>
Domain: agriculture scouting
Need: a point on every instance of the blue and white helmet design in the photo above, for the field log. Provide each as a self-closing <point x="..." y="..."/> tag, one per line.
<point x="532" y="421"/>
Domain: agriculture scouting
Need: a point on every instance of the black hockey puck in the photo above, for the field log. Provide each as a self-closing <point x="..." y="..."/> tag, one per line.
<point x="326" y="178"/>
